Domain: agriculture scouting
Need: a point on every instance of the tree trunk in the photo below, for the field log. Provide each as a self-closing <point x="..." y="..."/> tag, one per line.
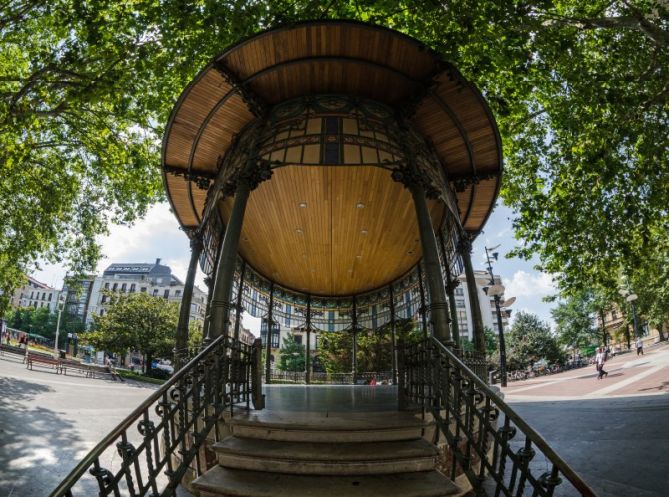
<point x="660" y="330"/>
<point x="149" y="359"/>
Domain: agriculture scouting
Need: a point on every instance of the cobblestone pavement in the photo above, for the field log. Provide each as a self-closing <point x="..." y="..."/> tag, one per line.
<point x="614" y="431"/>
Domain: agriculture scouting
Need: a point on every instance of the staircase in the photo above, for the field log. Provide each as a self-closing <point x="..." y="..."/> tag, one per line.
<point x="321" y="454"/>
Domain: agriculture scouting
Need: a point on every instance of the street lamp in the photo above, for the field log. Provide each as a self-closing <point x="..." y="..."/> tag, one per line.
<point x="496" y="291"/>
<point x="60" y="305"/>
<point x="631" y="298"/>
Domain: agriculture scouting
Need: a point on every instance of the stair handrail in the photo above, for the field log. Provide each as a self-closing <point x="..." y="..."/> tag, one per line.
<point x="195" y="387"/>
<point x="480" y="402"/>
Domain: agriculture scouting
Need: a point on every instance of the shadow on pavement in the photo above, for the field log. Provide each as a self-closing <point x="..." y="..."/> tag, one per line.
<point x="617" y="445"/>
<point x="37" y="447"/>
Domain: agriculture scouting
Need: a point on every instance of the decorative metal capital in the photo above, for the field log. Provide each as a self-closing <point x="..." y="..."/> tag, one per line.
<point x="202" y="179"/>
<point x="410" y="177"/>
<point x="256" y="104"/>
<point x="465" y="244"/>
<point x="452" y="285"/>
<point x="460" y="183"/>
<point x="252" y="175"/>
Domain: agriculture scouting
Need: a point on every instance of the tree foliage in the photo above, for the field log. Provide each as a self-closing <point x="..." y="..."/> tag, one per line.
<point x="292" y="355"/>
<point x="579" y="89"/>
<point x="43" y="322"/>
<point x="529" y="341"/>
<point x="574" y="322"/>
<point x="136" y="321"/>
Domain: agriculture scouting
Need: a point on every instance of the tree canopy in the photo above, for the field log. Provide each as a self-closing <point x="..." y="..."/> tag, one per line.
<point x="136" y="321"/>
<point x="574" y="319"/>
<point x="579" y="89"/>
<point x="530" y="340"/>
<point x="292" y="355"/>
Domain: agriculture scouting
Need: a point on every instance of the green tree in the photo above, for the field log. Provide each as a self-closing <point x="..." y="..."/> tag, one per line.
<point x="136" y="321"/>
<point x="578" y="89"/>
<point x="530" y="340"/>
<point x="292" y="355"/>
<point x="574" y="321"/>
<point x="334" y="351"/>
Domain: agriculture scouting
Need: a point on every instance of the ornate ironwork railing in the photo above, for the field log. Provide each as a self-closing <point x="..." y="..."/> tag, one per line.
<point x="151" y="450"/>
<point x="497" y="451"/>
<point x="319" y="378"/>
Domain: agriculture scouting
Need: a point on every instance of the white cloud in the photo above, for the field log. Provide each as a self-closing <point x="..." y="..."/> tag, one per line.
<point x="524" y="284"/>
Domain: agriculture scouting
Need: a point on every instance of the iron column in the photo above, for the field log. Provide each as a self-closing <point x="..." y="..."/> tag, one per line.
<point x="438" y="305"/>
<point x="393" y="333"/>
<point x="307" y="359"/>
<point x="451" y="284"/>
<point x="477" y="319"/>
<point x="238" y="308"/>
<point x="354" y="358"/>
<point x="225" y="272"/>
<point x="268" y="345"/>
<point x="421" y="290"/>
<point x="181" y="341"/>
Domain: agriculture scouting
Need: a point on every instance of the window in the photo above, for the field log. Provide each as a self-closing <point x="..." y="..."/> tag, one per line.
<point x="50" y="295"/>
<point x="298" y="339"/>
<point x="177" y="293"/>
<point x="123" y="287"/>
<point x="166" y="294"/>
<point x="459" y="291"/>
<point x="32" y="294"/>
<point x="463" y="326"/>
<point x="155" y="292"/>
<point x="132" y="288"/>
<point x="614" y="315"/>
<point x="316" y="342"/>
<point x="275" y="338"/>
<point x="115" y="287"/>
<point x="102" y="312"/>
<point x="143" y="289"/>
<point x="460" y="303"/>
<point x="103" y="300"/>
<point x="107" y="286"/>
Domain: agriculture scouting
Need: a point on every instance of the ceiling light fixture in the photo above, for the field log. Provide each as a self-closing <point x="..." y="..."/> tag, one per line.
<point x="360" y="205"/>
<point x="303" y="205"/>
<point x="299" y="231"/>
<point x="364" y="232"/>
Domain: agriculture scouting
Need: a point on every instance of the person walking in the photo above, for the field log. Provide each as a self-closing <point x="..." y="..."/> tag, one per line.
<point x="639" y="346"/>
<point x="600" y="359"/>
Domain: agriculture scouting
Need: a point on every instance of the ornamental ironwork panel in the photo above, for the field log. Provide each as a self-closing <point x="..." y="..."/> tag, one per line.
<point x="139" y="457"/>
<point x="484" y="439"/>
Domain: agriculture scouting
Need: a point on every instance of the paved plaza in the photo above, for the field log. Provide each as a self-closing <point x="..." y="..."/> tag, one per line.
<point x="612" y="431"/>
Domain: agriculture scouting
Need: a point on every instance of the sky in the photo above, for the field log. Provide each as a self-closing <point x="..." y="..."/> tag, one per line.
<point x="157" y="235"/>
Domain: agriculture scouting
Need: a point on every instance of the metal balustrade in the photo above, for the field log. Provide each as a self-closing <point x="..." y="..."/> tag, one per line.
<point x="150" y="451"/>
<point x="497" y="451"/>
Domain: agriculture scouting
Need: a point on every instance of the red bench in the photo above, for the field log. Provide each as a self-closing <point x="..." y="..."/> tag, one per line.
<point x="43" y="360"/>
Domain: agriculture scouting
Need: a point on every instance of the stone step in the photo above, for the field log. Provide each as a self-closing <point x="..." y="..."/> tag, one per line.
<point x="326" y="458"/>
<point x="225" y="482"/>
<point x="327" y="426"/>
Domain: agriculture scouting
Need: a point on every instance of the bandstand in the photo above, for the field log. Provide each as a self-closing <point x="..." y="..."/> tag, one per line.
<point x="331" y="175"/>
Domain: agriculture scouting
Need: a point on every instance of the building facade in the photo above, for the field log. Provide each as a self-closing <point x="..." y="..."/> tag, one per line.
<point x="279" y="335"/>
<point x="154" y="279"/>
<point x="486" y="303"/>
<point x="35" y="294"/>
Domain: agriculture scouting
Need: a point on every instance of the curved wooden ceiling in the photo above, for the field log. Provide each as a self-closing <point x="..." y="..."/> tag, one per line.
<point x="321" y="57"/>
<point x="331" y="230"/>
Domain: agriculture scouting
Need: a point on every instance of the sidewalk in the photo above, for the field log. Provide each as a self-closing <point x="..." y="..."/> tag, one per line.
<point x="628" y="376"/>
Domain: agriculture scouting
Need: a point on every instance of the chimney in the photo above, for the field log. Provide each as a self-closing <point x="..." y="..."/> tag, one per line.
<point x="158" y="261"/>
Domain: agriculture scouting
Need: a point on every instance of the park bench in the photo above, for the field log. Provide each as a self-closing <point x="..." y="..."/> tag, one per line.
<point x="66" y="364"/>
<point x="43" y="360"/>
<point x="11" y="349"/>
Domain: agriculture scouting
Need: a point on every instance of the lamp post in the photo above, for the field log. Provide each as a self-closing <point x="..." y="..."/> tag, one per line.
<point x="61" y="306"/>
<point x="496" y="291"/>
<point x="631" y="298"/>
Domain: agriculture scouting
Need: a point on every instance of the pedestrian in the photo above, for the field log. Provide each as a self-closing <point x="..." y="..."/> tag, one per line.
<point x="639" y="346"/>
<point x="600" y="358"/>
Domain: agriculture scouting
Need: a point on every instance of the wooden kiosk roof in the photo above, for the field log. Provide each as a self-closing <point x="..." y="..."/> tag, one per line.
<point x="331" y="57"/>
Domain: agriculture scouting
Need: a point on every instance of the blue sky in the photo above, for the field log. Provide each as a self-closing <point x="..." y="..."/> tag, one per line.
<point x="158" y="236"/>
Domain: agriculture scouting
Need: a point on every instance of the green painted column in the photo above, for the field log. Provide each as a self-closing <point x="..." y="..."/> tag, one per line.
<point x="472" y="292"/>
<point x="393" y="332"/>
<point x="438" y="303"/>
<point x="270" y="329"/>
<point x="225" y="272"/>
<point x="307" y="359"/>
<point x="181" y="339"/>
<point x="451" y="285"/>
<point x="238" y="306"/>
